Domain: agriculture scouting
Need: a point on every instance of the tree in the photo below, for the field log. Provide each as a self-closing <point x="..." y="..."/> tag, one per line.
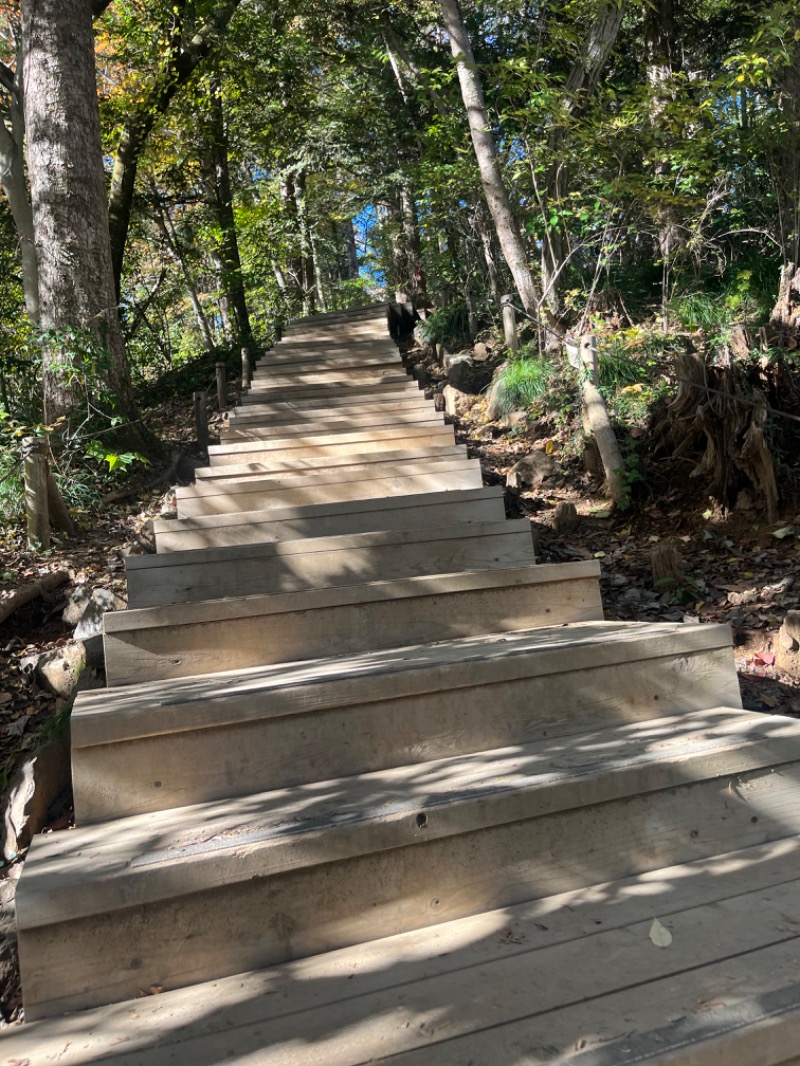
<point x="494" y="188"/>
<point x="68" y="192"/>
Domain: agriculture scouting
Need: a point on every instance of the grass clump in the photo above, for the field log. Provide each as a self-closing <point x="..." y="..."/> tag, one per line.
<point x="521" y="383"/>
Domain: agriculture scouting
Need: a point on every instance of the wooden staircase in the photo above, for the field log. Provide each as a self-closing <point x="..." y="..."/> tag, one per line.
<point x="369" y="784"/>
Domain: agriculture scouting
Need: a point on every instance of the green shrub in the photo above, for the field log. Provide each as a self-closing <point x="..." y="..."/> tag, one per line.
<point x="447" y="325"/>
<point x="521" y="383"/>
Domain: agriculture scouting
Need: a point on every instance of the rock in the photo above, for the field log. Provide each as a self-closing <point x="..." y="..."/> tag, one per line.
<point x="530" y="471"/>
<point x="618" y="581"/>
<point x="91" y="623"/>
<point x="77" y="602"/>
<point x="787" y="646"/>
<point x="565" y="519"/>
<point x="58" y="670"/>
<point x="95" y="653"/>
<point x="41" y="780"/>
<point x="481" y="352"/>
<point x="515" y="418"/>
<point x="451" y="397"/>
<point x="464" y="375"/>
<point x="421" y="374"/>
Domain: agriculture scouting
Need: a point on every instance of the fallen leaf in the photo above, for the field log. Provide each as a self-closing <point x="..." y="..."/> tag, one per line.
<point x="660" y="935"/>
<point x="784" y="531"/>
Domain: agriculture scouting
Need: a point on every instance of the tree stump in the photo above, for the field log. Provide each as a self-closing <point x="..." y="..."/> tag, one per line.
<point x="667" y="566"/>
<point x="565" y="519"/>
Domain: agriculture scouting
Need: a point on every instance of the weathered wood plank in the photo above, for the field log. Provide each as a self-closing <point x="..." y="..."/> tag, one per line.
<point x="317" y="392"/>
<point x="355" y="516"/>
<point x="331" y="467"/>
<point x="534" y="842"/>
<point x="174" y="641"/>
<point x="347" y="423"/>
<point x="324" y="562"/>
<point x="290" y="726"/>
<point x="466" y="477"/>
<point x="177" y="1026"/>
<point x="311" y="408"/>
<point x="359" y="440"/>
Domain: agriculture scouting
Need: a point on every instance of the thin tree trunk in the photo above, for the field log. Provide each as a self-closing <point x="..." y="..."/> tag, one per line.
<point x="232" y="278"/>
<point x="12" y="177"/>
<point x="181" y="59"/>
<point x="581" y="84"/>
<point x="68" y="190"/>
<point x="307" y="274"/>
<point x="488" y="164"/>
<point x="172" y="244"/>
<point x="488" y="246"/>
<point x="789" y="164"/>
<point x="352" y="249"/>
<point x="413" y="245"/>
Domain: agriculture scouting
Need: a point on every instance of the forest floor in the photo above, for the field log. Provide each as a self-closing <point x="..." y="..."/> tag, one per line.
<point x="742" y="571"/>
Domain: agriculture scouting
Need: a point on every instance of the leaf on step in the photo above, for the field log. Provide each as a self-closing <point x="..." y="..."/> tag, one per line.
<point x="660" y="935"/>
<point x="784" y="531"/>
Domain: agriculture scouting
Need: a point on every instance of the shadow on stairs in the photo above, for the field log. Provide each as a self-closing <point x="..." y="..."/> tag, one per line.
<point x="369" y="784"/>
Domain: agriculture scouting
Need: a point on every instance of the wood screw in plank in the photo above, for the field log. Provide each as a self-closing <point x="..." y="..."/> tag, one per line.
<point x="509" y="323"/>
<point x="201" y="422"/>
<point x="34" y="451"/>
<point x="221" y="389"/>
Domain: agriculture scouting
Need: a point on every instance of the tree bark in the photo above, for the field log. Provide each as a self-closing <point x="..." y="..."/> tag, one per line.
<point x="232" y="278"/>
<point x="68" y="189"/>
<point x="789" y="164"/>
<point x="12" y="178"/>
<point x="581" y="84"/>
<point x="181" y="60"/>
<point x="494" y="189"/>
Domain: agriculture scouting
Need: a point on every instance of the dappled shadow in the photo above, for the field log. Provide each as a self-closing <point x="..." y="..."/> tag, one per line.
<point x="545" y="795"/>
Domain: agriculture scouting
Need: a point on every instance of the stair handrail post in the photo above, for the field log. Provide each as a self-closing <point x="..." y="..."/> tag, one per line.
<point x="221" y="387"/>
<point x="201" y="420"/>
<point x="246" y="369"/>
<point x="509" y="322"/>
<point x="35" y="474"/>
<point x="599" y="422"/>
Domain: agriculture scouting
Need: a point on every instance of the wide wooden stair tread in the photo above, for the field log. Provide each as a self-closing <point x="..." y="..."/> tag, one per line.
<point x="370" y="784"/>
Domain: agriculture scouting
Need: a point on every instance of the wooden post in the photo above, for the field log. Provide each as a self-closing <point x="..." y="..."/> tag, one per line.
<point x="278" y="333"/>
<point x="246" y="369"/>
<point x="221" y="389"/>
<point x="201" y="422"/>
<point x="599" y="422"/>
<point x="509" y="322"/>
<point x="34" y="453"/>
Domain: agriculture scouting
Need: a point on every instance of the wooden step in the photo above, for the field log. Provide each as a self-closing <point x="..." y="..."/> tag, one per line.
<point x="574" y="981"/>
<point x="347" y="358"/>
<point x="329" y="467"/>
<point x="107" y="910"/>
<point x="363" y="392"/>
<point x="299" y="409"/>
<point x="359" y="441"/>
<point x="326" y="520"/>
<point x="467" y="475"/>
<point x="182" y="640"/>
<point x="324" y="562"/>
<point x="173" y="743"/>
<point x="344" y="424"/>
<point x="359" y="375"/>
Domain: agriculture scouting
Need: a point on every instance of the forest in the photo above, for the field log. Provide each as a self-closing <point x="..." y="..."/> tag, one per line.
<point x="626" y="170"/>
<point x="583" y="217"/>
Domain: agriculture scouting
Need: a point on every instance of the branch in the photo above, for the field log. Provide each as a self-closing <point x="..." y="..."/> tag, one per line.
<point x="7" y="78"/>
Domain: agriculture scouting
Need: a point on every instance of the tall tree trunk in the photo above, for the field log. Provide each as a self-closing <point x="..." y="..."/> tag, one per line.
<point x="488" y="245"/>
<point x="232" y="278"/>
<point x="789" y="164"/>
<point x="582" y="82"/>
<point x="413" y="246"/>
<point x="68" y="193"/>
<point x="352" y="250"/>
<point x="488" y="164"/>
<point x="659" y="31"/>
<point x="12" y="178"/>
<point x="307" y="274"/>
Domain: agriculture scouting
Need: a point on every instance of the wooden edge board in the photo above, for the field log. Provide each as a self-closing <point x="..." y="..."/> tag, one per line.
<point x="237" y="473"/>
<point x="347" y="542"/>
<point x="261" y="477"/>
<point x="154" y="708"/>
<point x="318" y="599"/>
<point x="312" y="440"/>
<point x="371" y="505"/>
<point x="183" y="1025"/>
<point x="272" y="832"/>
